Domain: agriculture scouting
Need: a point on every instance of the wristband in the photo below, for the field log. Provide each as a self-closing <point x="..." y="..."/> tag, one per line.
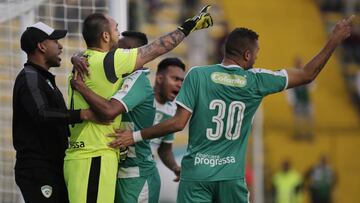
<point x="137" y="136"/>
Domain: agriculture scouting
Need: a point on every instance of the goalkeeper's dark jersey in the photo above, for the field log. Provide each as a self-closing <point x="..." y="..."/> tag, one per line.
<point x="40" y="119"/>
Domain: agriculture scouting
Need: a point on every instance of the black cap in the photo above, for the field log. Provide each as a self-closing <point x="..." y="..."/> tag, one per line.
<point x="37" y="33"/>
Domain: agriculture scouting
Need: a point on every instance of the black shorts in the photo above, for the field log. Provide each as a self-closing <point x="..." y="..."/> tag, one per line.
<point x="41" y="185"/>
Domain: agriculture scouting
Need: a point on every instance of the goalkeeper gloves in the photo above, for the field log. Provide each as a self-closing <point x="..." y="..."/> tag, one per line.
<point x="201" y="21"/>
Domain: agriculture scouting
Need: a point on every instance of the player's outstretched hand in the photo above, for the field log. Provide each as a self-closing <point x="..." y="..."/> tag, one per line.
<point x="201" y="21"/>
<point x="342" y="29"/>
<point x="123" y="138"/>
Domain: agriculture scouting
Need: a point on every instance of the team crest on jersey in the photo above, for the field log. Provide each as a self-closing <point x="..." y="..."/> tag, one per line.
<point x="125" y="87"/>
<point x="46" y="190"/>
<point x="229" y="79"/>
<point x="158" y="117"/>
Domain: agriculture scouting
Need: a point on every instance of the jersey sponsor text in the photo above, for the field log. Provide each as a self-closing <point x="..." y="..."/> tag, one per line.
<point x="229" y="79"/>
<point x="213" y="160"/>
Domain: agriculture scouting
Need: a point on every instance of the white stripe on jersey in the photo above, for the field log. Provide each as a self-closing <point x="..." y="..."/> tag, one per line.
<point x="282" y="73"/>
<point x="144" y="194"/>
<point x="260" y="70"/>
<point x="130" y="172"/>
<point x="168" y="108"/>
<point x="185" y="107"/>
<point x="287" y="78"/>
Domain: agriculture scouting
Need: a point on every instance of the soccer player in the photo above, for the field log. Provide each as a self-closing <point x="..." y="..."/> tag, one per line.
<point x="221" y="101"/>
<point x="90" y="165"/>
<point x="169" y="76"/>
<point x="132" y="39"/>
<point x="138" y="178"/>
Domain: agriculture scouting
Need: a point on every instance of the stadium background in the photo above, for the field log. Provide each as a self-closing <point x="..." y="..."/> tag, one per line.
<point x="287" y="28"/>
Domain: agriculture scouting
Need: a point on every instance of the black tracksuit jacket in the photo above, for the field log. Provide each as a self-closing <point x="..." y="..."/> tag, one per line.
<point x="40" y="119"/>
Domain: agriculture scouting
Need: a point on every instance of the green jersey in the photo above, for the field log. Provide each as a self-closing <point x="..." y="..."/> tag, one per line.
<point x="164" y="112"/>
<point x="223" y="101"/>
<point x="89" y="139"/>
<point x="137" y="96"/>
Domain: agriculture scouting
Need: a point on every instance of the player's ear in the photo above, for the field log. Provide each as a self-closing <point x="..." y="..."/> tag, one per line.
<point x="105" y="36"/>
<point x="247" y="55"/>
<point x="41" y="46"/>
<point x="159" y="78"/>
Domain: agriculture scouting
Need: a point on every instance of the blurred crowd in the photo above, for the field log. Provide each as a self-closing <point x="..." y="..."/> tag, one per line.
<point x="339" y="5"/>
<point x="351" y="46"/>
<point x="151" y="9"/>
<point x="288" y="185"/>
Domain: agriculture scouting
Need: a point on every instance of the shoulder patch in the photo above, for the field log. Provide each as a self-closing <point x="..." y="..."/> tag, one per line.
<point x="128" y="82"/>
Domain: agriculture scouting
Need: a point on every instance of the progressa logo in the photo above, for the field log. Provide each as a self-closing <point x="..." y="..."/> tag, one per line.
<point x="213" y="160"/>
<point x="76" y="145"/>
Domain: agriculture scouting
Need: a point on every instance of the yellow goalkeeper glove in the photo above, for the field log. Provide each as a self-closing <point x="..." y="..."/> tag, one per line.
<point x="201" y="21"/>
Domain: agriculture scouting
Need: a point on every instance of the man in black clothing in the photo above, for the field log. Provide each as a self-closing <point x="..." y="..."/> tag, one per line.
<point x="41" y="118"/>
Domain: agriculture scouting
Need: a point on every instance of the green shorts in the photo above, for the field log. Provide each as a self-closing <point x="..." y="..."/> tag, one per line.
<point x="92" y="179"/>
<point x="139" y="189"/>
<point x="226" y="191"/>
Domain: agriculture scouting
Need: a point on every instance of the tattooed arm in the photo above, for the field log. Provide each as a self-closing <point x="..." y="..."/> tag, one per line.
<point x="166" y="43"/>
<point x="159" y="47"/>
<point x="311" y="70"/>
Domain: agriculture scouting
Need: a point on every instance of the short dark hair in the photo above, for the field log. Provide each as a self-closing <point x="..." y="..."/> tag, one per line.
<point x="139" y="36"/>
<point x="240" y="40"/>
<point x="94" y="24"/>
<point x="165" y="63"/>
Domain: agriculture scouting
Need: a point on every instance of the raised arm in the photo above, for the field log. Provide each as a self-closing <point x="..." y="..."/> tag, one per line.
<point x="310" y="71"/>
<point x="158" y="47"/>
<point x="168" y="42"/>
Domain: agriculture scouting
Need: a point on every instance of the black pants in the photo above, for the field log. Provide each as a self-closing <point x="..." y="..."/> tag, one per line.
<point x="317" y="197"/>
<point x="41" y="185"/>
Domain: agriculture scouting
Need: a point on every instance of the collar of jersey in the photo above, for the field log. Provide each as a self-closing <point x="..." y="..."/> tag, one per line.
<point x="166" y="103"/>
<point x="230" y="66"/>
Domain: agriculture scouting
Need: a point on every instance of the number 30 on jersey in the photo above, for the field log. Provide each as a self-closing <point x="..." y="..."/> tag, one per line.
<point x="231" y="133"/>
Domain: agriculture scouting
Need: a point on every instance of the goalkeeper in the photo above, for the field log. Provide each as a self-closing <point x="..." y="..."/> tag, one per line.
<point x="90" y="166"/>
<point x="135" y="101"/>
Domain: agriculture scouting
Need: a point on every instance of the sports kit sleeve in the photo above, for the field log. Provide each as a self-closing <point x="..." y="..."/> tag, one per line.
<point x="188" y="92"/>
<point x="269" y="82"/>
<point x="133" y="91"/>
